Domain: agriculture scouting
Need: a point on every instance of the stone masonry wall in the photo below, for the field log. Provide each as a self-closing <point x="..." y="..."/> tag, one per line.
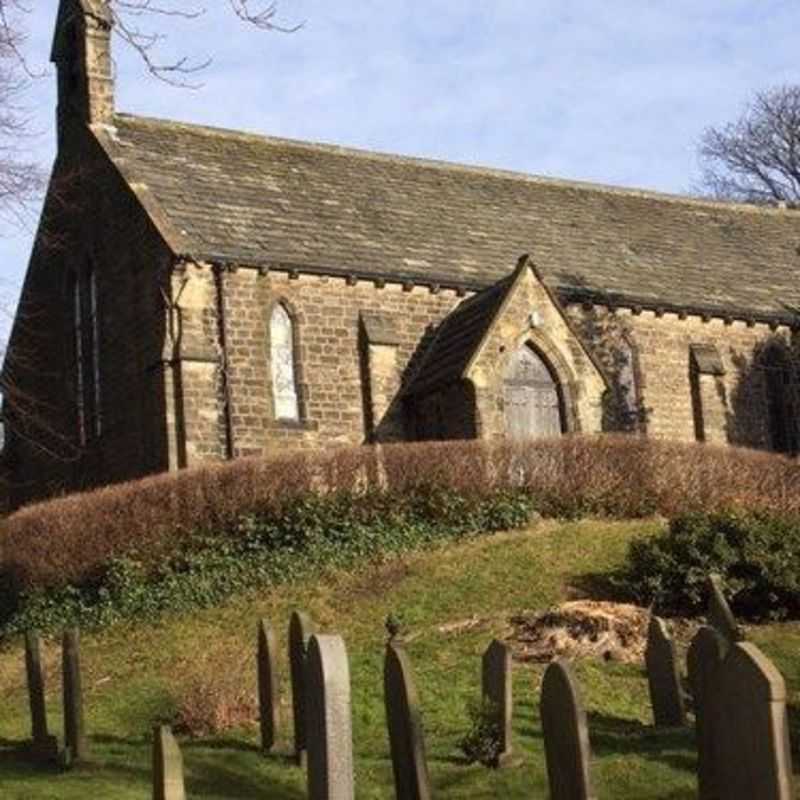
<point x="734" y="405"/>
<point x="332" y="364"/>
<point x="330" y="361"/>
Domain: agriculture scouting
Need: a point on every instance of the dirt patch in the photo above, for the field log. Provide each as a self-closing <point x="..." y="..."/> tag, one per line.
<point x="379" y="579"/>
<point x="580" y="629"/>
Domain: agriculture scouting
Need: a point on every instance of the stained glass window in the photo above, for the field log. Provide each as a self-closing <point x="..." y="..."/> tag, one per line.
<point x="284" y="387"/>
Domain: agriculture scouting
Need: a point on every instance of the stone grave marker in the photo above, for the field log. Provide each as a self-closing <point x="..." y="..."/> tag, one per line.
<point x="328" y="720"/>
<point x="752" y="757"/>
<point x="44" y="746"/>
<point x="496" y="689"/>
<point x="566" y="735"/>
<point x="167" y="766"/>
<point x="719" y="612"/>
<point x="663" y="677"/>
<point x="75" y="744"/>
<point x="704" y="660"/>
<point x="300" y="630"/>
<point x="406" y="738"/>
<point x="267" y="685"/>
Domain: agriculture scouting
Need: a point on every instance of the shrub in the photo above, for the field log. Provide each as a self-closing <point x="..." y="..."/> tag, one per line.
<point x="756" y="553"/>
<point x="312" y="533"/>
<point x="214" y="695"/>
<point x="197" y="536"/>
<point x="482" y="741"/>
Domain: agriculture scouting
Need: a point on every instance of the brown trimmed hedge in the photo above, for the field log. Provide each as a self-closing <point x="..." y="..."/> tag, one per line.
<point x="70" y="539"/>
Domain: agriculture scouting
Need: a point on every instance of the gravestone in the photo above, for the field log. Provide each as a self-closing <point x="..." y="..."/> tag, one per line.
<point x="406" y="738"/>
<point x="719" y="612"/>
<point x="44" y="746"/>
<point x="704" y="659"/>
<point x="663" y="678"/>
<point x="75" y="744"/>
<point x="496" y="689"/>
<point x="328" y="720"/>
<point x="267" y="685"/>
<point x="300" y="630"/>
<point x="752" y="757"/>
<point x="566" y="735"/>
<point x="167" y="766"/>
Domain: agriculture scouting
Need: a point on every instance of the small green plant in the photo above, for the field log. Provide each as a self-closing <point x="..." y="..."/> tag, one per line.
<point x="394" y="626"/>
<point x="482" y="742"/>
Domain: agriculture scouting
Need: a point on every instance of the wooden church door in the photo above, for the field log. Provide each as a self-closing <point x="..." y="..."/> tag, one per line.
<point x="533" y="404"/>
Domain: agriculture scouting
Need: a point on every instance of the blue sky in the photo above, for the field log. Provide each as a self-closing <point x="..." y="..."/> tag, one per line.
<point x="616" y="91"/>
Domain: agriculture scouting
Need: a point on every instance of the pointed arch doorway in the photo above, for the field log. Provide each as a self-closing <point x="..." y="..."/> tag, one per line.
<point x="534" y="400"/>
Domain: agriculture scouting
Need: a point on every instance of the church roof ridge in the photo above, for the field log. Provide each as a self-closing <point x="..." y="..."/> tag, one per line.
<point x="456" y="166"/>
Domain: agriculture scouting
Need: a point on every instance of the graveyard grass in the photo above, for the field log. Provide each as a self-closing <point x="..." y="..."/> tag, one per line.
<point x="134" y="676"/>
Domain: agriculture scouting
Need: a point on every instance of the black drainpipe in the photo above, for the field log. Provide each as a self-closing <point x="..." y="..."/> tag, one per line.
<point x="219" y="284"/>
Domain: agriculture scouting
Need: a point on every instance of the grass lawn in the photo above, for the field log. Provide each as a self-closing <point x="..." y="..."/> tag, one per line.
<point x="135" y="676"/>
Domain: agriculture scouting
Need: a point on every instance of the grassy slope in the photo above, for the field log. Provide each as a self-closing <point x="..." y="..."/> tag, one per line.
<point x="131" y="673"/>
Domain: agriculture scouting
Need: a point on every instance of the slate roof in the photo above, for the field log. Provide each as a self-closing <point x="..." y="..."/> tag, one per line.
<point x="458" y="337"/>
<point x="256" y="200"/>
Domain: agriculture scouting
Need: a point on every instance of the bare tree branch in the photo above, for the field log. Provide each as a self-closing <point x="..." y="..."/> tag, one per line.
<point x="127" y="16"/>
<point x="756" y="158"/>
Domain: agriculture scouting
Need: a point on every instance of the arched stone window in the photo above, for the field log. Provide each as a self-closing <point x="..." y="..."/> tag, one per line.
<point x="627" y="385"/>
<point x="282" y="357"/>
<point x="74" y="296"/>
<point x="780" y="400"/>
<point x="94" y="333"/>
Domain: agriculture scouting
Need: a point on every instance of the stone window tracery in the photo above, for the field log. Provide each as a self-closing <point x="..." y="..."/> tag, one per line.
<point x="85" y="323"/>
<point x="94" y="332"/>
<point x="282" y="357"/>
<point x="80" y="378"/>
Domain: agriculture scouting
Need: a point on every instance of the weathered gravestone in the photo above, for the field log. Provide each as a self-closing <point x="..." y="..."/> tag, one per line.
<point x="300" y="630"/>
<point x="752" y="757"/>
<point x="44" y="746"/>
<point x="328" y="720"/>
<point x="167" y="766"/>
<point x="663" y="678"/>
<point x="497" y="692"/>
<point x="566" y="735"/>
<point x="406" y="738"/>
<point x="704" y="660"/>
<point x="267" y="685"/>
<point x="75" y="744"/>
<point x="719" y="613"/>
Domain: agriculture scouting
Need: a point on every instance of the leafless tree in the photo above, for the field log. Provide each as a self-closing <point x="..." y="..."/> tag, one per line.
<point x="756" y="158"/>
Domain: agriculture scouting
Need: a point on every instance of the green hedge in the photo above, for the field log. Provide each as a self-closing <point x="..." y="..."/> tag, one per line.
<point x="305" y="536"/>
<point x="757" y="554"/>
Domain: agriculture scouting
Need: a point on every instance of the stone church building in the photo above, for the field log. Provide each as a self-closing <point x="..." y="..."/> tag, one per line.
<point x="197" y="294"/>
